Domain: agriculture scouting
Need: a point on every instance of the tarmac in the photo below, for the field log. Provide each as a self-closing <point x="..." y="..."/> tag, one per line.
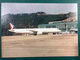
<point x="39" y="46"/>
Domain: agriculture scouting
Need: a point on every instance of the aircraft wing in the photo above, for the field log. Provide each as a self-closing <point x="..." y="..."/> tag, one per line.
<point x="34" y="30"/>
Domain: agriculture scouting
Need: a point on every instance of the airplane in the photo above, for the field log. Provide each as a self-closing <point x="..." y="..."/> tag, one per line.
<point x="73" y="30"/>
<point x="34" y="31"/>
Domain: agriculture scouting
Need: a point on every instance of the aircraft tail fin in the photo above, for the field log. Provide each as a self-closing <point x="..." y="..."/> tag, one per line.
<point x="11" y="26"/>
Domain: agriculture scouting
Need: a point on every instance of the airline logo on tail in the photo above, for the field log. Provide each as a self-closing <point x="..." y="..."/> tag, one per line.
<point x="11" y="26"/>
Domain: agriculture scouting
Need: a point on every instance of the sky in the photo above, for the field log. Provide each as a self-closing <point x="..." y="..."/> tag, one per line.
<point x="49" y="8"/>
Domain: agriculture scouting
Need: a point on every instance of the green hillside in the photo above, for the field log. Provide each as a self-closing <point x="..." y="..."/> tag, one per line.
<point x="32" y="20"/>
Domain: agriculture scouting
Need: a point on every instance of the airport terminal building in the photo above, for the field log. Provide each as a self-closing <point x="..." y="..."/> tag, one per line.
<point x="63" y="26"/>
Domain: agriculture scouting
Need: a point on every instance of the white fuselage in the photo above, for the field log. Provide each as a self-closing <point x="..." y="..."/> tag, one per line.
<point x="74" y="29"/>
<point x="38" y="30"/>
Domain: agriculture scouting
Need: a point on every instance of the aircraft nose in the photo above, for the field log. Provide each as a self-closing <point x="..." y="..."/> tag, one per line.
<point x="59" y="30"/>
